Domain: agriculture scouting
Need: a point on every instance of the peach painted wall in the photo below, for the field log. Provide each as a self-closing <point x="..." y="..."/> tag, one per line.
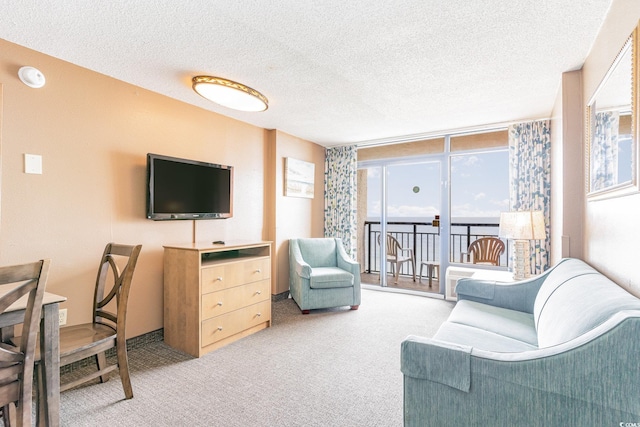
<point x="309" y="220"/>
<point x="612" y="228"/>
<point x="93" y="133"/>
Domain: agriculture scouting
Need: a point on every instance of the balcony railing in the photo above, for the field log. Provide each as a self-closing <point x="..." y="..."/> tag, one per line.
<point x="424" y="239"/>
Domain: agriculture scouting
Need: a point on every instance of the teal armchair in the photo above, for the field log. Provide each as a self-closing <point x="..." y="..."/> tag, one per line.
<point x="321" y="274"/>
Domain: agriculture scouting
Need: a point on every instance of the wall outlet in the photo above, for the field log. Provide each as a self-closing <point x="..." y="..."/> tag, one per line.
<point x="63" y="316"/>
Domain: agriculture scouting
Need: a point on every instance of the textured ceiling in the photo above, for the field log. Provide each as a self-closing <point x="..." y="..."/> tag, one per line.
<point x="335" y="71"/>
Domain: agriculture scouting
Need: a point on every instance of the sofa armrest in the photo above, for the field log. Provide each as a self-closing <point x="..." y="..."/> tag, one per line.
<point x="519" y="296"/>
<point x="437" y="361"/>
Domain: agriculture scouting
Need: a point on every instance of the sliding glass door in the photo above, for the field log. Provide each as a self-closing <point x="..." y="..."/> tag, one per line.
<point x="479" y="192"/>
<point x="403" y="200"/>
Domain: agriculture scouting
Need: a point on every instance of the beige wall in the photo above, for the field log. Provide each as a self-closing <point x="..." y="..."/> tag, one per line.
<point x="93" y="133"/>
<point x="295" y="217"/>
<point x="567" y="171"/>
<point x="601" y="232"/>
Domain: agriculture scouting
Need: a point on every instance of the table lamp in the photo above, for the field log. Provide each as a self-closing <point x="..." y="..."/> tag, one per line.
<point x="522" y="227"/>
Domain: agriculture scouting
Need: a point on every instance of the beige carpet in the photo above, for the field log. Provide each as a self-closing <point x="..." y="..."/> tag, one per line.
<point x="329" y="368"/>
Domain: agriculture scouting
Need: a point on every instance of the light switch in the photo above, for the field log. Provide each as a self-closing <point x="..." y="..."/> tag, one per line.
<point x="33" y="163"/>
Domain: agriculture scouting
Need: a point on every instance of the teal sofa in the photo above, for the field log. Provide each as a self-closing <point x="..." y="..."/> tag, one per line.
<point x="322" y="275"/>
<point x="559" y="349"/>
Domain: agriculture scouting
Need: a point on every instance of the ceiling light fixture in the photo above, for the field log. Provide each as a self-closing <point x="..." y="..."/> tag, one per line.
<point x="230" y="94"/>
<point x="31" y="76"/>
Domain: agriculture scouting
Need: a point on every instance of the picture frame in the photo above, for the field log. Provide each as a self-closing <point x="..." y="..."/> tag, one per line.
<point x="612" y="128"/>
<point x="298" y="178"/>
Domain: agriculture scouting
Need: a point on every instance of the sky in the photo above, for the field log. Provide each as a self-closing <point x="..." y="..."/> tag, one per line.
<point x="479" y="187"/>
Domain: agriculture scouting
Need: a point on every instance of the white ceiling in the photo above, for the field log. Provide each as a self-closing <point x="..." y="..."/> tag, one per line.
<point x="335" y="71"/>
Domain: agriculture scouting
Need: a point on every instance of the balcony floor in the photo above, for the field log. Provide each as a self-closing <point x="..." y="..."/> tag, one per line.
<point x="404" y="282"/>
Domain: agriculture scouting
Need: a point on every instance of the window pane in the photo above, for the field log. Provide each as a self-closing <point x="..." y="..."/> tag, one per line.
<point x="479" y="192"/>
<point x="413" y="200"/>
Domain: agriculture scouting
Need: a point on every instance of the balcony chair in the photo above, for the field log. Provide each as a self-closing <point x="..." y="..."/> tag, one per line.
<point x="17" y="361"/>
<point x="107" y="329"/>
<point x="321" y="274"/>
<point x="486" y="250"/>
<point x="397" y="255"/>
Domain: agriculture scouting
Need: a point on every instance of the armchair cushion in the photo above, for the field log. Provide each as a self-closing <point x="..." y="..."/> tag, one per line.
<point x="330" y="277"/>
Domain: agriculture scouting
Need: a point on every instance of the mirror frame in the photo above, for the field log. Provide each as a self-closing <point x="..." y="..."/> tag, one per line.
<point x="631" y="187"/>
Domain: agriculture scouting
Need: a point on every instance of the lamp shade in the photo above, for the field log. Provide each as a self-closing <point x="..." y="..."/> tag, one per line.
<point x="230" y="94"/>
<point x="525" y="225"/>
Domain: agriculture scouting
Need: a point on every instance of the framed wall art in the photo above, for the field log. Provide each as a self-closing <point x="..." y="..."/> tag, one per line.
<point x="298" y="178"/>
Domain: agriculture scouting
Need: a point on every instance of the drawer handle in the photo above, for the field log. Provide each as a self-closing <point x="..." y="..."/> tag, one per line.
<point x="220" y="303"/>
<point x="258" y="271"/>
<point x="258" y="292"/>
<point x="259" y="314"/>
<point x="219" y="328"/>
<point x="219" y="279"/>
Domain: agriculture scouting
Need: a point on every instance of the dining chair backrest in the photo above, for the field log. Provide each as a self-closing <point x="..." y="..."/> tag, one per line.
<point x="393" y="246"/>
<point x="113" y="283"/>
<point x="486" y="250"/>
<point x="17" y="362"/>
<point x="108" y="327"/>
<point x="397" y="255"/>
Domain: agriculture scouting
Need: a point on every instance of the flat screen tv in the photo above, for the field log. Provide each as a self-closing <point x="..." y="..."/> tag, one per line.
<point x="188" y="189"/>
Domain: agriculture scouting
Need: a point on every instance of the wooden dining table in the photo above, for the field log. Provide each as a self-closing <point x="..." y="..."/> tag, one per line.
<point x="49" y="395"/>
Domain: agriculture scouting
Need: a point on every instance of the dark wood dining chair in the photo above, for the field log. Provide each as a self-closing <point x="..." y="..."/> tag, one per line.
<point x="17" y="361"/>
<point x="107" y="329"/>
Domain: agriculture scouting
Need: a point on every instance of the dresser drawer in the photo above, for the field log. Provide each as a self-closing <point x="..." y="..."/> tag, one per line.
<point x="256" y="269"/>
<point x="235" y="273"/>
<point x="221" y="302"/>
<point x="215" y="279"/>
<point x="226" y="325"/>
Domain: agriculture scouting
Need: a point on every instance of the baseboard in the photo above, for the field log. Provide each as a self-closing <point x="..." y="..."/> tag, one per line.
<point x="135" y="342"/>
<point x="280" y="297"/>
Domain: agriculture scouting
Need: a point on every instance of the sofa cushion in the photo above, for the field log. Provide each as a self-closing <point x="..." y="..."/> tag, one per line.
<point x="566" y="270"/>
<point x="502" y="321"/>
<point x="579" y="305"/>
<point x="478" y="338"/>
<point x="330" y="277"/>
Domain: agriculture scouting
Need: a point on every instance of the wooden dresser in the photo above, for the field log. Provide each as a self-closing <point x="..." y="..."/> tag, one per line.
<point x="215" y="294"/>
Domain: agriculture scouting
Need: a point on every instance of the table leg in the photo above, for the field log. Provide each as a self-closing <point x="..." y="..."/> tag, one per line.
<point x="49" y="378"/>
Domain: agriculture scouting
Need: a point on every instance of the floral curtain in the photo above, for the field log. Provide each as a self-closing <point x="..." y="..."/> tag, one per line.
<point x="340" y="196"/>
<point x="604" y="151"/>
<point x="530" y="180"/>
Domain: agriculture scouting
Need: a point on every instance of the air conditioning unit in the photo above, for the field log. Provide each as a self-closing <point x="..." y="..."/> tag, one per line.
<point x="451" y="279"/>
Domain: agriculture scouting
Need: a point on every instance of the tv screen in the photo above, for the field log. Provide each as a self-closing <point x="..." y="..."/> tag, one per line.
<point x="188" y="189"/>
